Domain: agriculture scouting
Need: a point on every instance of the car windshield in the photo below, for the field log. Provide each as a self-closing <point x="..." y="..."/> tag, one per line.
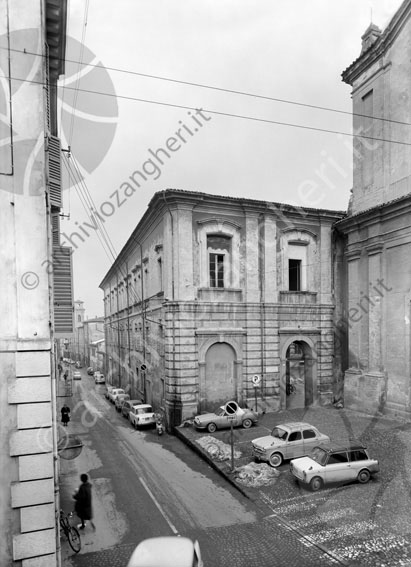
<point x="319" y="455"/>
<point x="279" y="433"/>
<point x="141" y="411"/>
<point x="220" y="411"/>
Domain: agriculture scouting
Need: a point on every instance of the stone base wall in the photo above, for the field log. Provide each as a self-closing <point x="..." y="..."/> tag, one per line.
<point x="365" y="392"/>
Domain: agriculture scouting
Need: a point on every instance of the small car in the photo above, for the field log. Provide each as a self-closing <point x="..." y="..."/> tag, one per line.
<point x="90" y="371"/>
<point x="78" y="364"/>
<point x="222" y="419"/>
<point x="120" y="399"/>
<point x="108" y="390"/>
<point x="335" y="463"/>
<point x="112" y="395"/>
<point x="287" y="441"/>
<point x="76" y="375"/>
<point x="167" y="551"/>
<point x="127" y="406"/>
<point x="99" y="378"/>
<point x="142" y="414"/>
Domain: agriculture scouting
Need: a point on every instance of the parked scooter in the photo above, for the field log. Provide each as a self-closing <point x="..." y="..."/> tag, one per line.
<point x="159" y="424"/>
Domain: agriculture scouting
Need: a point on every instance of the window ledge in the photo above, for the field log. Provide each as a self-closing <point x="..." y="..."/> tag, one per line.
<point x="298" y="297"/>
<point x="219" y="294"/>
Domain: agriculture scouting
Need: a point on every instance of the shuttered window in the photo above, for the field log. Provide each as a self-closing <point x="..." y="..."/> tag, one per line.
<point x="63" y="290"/>
<point x="54" y="171"/>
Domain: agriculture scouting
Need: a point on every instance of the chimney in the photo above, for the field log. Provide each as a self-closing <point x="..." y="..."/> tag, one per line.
<point x="370" y="36"/>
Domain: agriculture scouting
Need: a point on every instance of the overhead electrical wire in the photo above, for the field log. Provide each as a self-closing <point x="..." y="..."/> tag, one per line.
<point x="223" y="89"/>
<point x="231" y="115"/>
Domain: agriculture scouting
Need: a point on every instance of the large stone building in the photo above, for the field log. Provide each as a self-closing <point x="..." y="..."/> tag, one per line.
<point x="378" y="225"/>
<point x="35" y="280"/>
<point x="210" y="291"/>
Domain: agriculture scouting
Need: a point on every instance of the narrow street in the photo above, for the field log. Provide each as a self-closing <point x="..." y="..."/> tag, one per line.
<point x="145" y="485"/>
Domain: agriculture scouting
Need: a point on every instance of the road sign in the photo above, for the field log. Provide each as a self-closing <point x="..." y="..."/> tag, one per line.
<point x="256" y="379"/>
<point x="231" y="407"/>
<point x="231" y="417"/>
<point x="143" y="367"/>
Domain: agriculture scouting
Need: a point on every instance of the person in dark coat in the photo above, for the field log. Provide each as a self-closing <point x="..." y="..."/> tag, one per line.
<point x="65" y="415"/>
<point x="83" y="507"/>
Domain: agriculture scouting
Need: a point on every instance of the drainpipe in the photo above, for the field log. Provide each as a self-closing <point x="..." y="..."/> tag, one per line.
<point x="261" y="270"/>
<point x="55" y="451"/>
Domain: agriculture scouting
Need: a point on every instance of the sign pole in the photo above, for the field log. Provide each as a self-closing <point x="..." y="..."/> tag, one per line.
<point x="232" y="447"/>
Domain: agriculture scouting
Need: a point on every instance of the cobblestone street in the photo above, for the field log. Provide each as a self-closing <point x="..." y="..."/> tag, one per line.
<point x="359" y="524"/>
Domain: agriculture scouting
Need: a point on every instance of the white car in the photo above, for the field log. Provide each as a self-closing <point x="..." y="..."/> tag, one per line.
<point x="287" y="441"/>
<point x="76" y="375"/>
<point x="112" y="395"/>
<point x="142" y="414"/>
<point x="99" y="378"/>
<point x="336" y="463"/>
<point x="167" y="551"/>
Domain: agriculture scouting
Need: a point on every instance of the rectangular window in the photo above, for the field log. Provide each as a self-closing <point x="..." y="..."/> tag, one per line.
<point x="216" y="270"/>
<point x="294" y="275"/>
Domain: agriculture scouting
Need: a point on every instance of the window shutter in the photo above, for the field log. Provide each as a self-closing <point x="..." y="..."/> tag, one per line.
<point x="55" y="221"/>
<point x="47" y="87"/>
<point x="54" y="171"/>
<point x="63" y="290"/>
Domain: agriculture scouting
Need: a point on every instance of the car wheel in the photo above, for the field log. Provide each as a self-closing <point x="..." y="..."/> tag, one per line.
<point x="211" y="427"/>
<point x="364" y="476"/>
<point x="276" y="459"/>
<point x="247" y="423"/>
<point x="316" y="483"/>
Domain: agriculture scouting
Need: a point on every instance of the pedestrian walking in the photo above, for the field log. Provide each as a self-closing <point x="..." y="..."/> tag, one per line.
<point x="83" y="507"/>
<point x="65" y="415"/>
<point x="65" y="374"/>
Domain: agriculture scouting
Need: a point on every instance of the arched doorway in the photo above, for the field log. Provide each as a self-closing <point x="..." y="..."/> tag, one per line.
<point x="298" y="375"/>
<point x="220" y="383"/>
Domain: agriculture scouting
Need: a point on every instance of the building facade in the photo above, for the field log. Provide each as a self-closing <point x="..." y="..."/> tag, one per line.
<point x="378" y="225"/>
<point x="35" y="280"/>
<point x="210" y="291"/>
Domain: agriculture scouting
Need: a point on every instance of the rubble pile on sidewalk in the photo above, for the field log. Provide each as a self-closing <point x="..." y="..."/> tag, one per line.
<point x="256" y="474"/>
<point x="216" y="449"/>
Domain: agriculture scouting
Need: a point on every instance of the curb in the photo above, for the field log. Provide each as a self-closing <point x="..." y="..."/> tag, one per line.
<point x="209" y="461"/>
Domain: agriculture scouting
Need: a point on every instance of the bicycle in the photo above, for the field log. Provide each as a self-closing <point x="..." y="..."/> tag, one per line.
<point x="71" y="533"/>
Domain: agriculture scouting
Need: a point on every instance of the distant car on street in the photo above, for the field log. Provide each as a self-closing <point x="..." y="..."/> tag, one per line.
<point x="287" y="441"/>
<point x="108" y="390"/>
<point x="99" y="378"/>
<point x="90" y="371"/>
<point x="223" y="419"/>
<point x="76" y="375"/>
<point x="336" y="463"/>
<point x="142" y="415"/>
<point x="167" y="551"/>
<point x="120" y="399"/>
<point x="112" y="395"/>
<point x="126" y="407"/>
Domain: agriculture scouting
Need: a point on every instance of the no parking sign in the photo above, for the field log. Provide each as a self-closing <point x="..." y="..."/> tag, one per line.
<point x="256" y="379"/>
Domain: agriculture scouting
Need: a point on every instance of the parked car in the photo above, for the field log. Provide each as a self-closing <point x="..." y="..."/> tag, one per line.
<point x="126" y="407"/>
<point x="76" y="375"/>
<point x="78" y="364"/>
<point x="114" y="393"/>
<point x="120" y="399"/>
<point x="222" y="419"/>
<point x="90" y="371"/>
<point x="336" y="463"/>
<point x="142" y="414"/>
<point x="99" y="378"/>
<point x="108" y="390"/>
<point x="287" y="441"/>
<point x="167" y="551"/>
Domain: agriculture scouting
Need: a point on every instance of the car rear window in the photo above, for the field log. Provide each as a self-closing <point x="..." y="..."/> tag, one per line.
<point x="309" y="434"/>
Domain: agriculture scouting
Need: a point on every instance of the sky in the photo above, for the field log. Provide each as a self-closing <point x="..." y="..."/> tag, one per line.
<point x="150" y="68"/>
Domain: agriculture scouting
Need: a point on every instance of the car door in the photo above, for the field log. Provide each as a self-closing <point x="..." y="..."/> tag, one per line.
<point x="294" y="446"/>
<point x="310" y="440"/>
<point x="337" y="468"/>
